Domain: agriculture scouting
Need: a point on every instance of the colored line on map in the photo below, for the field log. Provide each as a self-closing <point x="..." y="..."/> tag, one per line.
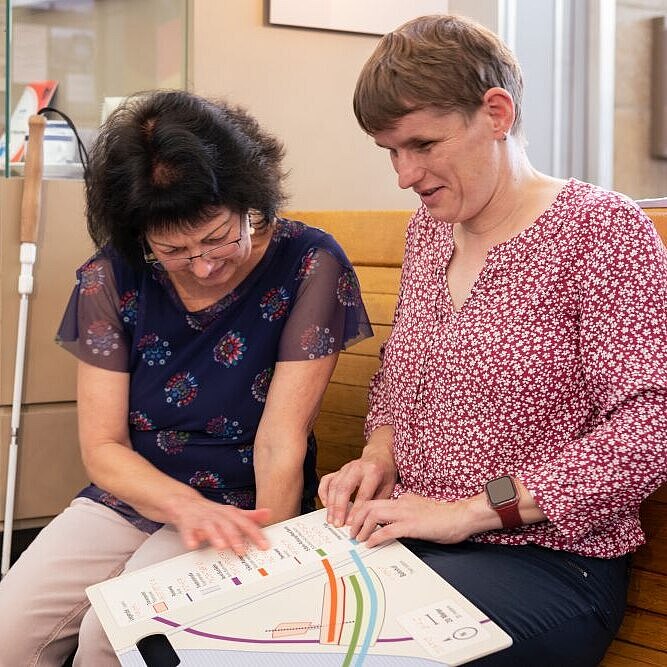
<point x="310" y="626"/>
<point x="236" y="580"/>
<point x="333" y="602"/>
<point x="342" y="604"/>
<point x="250" y="640"/>
<point x="358" y="617"/>
<point x="263" y="572"/>
<point x="321" y="552"/>
<point x="166" y="621"/>
<point x="173" y="624"/>
<point x="244" y="640"/>
<point x="373" y="610"/>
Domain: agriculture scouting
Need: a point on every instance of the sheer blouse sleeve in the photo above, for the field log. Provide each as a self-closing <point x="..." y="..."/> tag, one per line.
<point x="92" y="327"/>
<point x="328" y="314"/>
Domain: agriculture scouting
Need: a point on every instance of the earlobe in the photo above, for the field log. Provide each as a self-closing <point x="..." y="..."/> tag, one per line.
<point x="500" y="107"/>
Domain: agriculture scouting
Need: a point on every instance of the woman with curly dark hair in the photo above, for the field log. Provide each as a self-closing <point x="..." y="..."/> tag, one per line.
<point x="206" y="329"/>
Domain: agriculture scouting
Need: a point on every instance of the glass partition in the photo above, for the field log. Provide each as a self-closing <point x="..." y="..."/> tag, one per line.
<point x="81" y="57"/>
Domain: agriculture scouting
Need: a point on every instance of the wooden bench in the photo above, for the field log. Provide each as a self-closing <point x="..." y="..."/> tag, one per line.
<point x="374" y="243"/>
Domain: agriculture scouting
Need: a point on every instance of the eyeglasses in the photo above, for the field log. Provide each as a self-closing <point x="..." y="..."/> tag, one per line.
<point x="217" y="254"/>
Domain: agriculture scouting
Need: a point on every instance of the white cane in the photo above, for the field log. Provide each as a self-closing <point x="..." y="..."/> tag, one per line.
<point x="30" y="214"/>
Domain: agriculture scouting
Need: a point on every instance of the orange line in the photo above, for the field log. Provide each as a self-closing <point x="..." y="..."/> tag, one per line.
<point x="263" y="572"/>
<point x="331" y="636"/>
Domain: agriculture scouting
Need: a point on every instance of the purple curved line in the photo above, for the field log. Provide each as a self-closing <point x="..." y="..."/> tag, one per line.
<point x="166" y="621"/>
<point x="247" y="640"/>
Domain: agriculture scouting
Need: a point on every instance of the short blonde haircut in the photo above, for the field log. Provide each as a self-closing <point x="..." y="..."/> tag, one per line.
<point x="446" y="62"/>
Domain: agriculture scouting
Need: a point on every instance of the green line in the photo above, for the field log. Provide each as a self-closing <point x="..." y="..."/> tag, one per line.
<point x="321" y="552"/>
<point x="356" y="631"/>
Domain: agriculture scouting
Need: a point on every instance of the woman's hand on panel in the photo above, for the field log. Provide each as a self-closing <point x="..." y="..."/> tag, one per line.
<point x="200" y="521"/>
<point x="412" y="516"/>
<point x="371" y="477"/>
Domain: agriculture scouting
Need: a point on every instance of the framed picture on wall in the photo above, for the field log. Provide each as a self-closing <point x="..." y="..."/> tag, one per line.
<point x="375" y="17"/>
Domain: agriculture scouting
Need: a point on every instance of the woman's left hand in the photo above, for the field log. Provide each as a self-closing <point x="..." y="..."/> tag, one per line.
<point x="410" y="516"/>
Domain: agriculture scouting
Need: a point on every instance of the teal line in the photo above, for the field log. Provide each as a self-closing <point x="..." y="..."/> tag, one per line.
<point x="357" y="621"/>
<point x="374" y="606"/>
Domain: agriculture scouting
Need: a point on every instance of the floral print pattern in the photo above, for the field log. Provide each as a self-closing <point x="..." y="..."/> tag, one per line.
<point x="128" y="306"/>
<point x="317" y="341"/>
<point x="348" y="291"/>
<point x="554" y="370"/>
<point x="102" y="338"/>
<point x="91" y="278"/>
<point x="181" y="389"/>
<point x="309" y="264"/>
<point x="206" y="479"/>
<point x="274" y="303"/>
<point x="172" y="442"/>
<point x="229" y="349"/>
<point x="141" y="421"/>
<point x="153" y="349"/>
<point x="260" y="385"/>
<point x="199" y="379"/>
<point x="223" y="427"/>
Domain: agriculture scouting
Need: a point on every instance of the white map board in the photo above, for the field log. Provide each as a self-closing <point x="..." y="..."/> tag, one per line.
<point x="315" y="598"/>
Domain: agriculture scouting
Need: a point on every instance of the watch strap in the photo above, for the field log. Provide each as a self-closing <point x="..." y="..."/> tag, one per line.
<point x="509" y="515"/>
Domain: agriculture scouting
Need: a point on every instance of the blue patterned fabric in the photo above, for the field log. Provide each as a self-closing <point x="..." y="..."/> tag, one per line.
<point x="199" y="380"/>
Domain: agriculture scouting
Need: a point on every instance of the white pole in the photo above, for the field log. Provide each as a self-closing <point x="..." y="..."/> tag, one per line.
<point x="30" y="213"/>
<point x="12" y="462"/>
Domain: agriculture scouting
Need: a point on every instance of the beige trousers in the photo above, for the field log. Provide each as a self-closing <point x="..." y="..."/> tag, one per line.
<point x="43" y="604"/>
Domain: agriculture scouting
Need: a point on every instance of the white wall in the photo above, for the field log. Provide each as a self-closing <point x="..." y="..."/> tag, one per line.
<point x="299" y="84"/>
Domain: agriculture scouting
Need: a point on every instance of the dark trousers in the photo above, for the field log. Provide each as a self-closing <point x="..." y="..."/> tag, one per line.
<point x="561" y="610"/>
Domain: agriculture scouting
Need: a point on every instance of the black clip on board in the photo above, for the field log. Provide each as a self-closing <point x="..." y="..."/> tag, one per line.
<point x="157" y="651"/>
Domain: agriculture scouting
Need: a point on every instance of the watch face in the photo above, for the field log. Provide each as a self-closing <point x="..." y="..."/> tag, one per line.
<point x="500" y="490"/>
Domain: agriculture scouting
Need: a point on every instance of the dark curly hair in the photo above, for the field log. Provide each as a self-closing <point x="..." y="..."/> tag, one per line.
<point x="169" y="159"/>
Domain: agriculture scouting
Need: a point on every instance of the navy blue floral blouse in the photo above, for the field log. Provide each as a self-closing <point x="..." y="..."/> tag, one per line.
<point x="199" y="380"/>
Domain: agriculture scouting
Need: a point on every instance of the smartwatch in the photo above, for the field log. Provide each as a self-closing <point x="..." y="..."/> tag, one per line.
<point x="503" y="497"/>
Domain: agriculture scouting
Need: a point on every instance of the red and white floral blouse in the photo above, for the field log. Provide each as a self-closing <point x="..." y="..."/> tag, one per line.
<point x="553" y="371"/>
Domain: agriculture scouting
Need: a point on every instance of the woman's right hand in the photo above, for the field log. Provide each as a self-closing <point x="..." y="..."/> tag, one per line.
<point x="372" y="476"/>
<point x="200" y="521"/>
<point x="112" y="464"/>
